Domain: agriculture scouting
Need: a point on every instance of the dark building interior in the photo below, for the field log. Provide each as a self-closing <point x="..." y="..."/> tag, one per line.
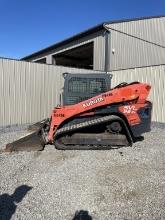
<point x="80" y="57"/>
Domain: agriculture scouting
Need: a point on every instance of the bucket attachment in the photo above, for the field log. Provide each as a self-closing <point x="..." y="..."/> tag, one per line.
<point x="37" y="125"/>
<point x="30" y="142"/>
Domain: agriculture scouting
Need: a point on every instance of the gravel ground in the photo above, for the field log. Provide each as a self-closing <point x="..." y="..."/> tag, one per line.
<point x="126" y="183"/>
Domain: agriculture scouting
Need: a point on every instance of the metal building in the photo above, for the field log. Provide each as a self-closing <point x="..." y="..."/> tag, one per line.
<point x="110" y="46"/>
<point x="130" y="50"/>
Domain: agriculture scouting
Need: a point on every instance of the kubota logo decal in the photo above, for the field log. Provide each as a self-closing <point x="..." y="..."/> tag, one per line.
<point x="92" y="102"/>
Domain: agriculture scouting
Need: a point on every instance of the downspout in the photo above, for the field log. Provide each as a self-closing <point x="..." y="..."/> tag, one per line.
<point x="107" y="49"/>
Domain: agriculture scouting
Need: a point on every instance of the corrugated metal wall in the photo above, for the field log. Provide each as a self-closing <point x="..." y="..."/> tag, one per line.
<point x="155" y="76"/>
<point x="99" y="53"/>
<point x="29" y="91"/>
<point x="137" y="43"/>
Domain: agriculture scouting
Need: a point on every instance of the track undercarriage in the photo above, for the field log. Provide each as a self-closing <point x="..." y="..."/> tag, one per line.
<point x="97" y="134"/>
<point x="100" y="133"/>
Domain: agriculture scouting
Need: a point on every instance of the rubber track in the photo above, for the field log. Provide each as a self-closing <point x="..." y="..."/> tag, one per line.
<point x="85" y="124"/>
<point x="68" y="129"/>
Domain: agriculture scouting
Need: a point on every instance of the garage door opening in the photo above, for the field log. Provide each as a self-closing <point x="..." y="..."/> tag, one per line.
<point x="80" y="57"/>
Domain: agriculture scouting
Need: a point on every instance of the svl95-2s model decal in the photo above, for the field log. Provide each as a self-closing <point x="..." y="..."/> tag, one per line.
<point x="129" y="109"/>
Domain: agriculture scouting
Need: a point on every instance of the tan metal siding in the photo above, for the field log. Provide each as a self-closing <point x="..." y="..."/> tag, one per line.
<point x="29" y="91"/>
<point x="152" y="29"/>
<point x="99" y="52"/>
<point x="132" y="52"/>
<point x="155" y="76"/>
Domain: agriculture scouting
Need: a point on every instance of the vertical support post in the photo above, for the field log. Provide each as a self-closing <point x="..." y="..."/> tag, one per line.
<point x="107" y="51"/>
<point x="49" y="59"/>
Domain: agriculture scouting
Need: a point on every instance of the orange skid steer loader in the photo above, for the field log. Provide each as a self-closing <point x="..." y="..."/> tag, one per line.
<point x="92" y="116"/>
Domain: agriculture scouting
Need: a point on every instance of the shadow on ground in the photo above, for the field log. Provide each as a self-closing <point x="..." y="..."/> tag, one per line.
<point x="82" y="215"/>
<point x="8" y="203"/>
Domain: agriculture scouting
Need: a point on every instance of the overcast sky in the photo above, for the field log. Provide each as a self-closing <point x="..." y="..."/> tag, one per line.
<point x="28" y="26"/>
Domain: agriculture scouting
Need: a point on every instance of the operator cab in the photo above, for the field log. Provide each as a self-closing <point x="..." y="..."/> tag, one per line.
<point x="79" y="87"/>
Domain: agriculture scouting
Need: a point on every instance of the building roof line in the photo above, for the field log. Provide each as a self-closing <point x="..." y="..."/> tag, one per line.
<point x="68" y="40"/>
<point x="89" y="31"/>
<point x="134" y="19"/>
